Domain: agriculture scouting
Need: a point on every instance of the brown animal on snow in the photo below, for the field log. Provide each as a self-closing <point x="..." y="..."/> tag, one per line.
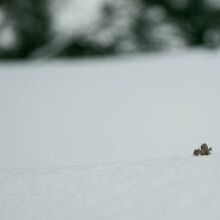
<point x="203" y="150"/>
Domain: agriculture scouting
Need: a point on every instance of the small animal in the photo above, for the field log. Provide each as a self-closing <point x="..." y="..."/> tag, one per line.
<point x="197" y="152"/>
<point x="203" y="150"/>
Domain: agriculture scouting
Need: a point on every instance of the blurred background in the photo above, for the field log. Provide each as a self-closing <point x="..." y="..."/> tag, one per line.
<point x="76" y="28"/>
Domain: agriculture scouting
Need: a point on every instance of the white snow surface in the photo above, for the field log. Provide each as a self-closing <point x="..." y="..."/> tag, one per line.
<point x="172" y="188"/>
<point x="64" y="113"/>
<point x="136" y="119"/>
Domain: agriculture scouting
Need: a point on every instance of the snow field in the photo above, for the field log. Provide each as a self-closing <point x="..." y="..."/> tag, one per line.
<point x="65" y="113"/>
<point x="68" y="115"/>
<point x="172" y="188"/>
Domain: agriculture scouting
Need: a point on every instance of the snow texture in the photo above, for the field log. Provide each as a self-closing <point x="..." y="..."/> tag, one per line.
<point x="176" y="188"/>
<point x="81" y="112"/>
<point x="149" y="110"/>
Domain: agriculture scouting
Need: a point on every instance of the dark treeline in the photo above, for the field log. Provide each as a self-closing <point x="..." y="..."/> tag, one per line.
<point x="31" y="23"/>
<point x="155" y="25"/>
<point x="198" y="20"/>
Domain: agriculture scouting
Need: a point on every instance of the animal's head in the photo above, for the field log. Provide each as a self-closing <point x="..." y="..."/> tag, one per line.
<point x="204" y="146"/>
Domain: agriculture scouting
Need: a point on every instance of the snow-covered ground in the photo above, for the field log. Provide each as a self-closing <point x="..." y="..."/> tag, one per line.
<point x="136" y="119"/>
<point x="172" y="188"/>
